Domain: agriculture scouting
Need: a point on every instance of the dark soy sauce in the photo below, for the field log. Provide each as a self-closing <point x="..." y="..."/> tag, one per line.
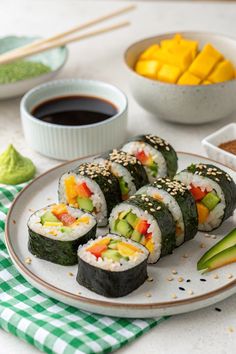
<point x="74" y="110"/>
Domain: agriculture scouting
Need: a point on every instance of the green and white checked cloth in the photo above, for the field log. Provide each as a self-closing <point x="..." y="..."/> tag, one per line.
<point x="48" y="324"/>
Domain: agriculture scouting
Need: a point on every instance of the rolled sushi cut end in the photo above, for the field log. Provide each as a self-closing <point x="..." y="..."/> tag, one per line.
<point x="56" y="231"/>
<point x="156" y="155"/>
<point x="214" y="192"/>
<point x="177" y="198"/>
<point x="146" y="221"/>
<point x="92" y="188"/>
<point x="127" y="169"/>
<point x="112" y="266"/>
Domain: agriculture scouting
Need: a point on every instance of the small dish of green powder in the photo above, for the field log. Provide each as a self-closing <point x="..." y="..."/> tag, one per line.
<point x="18" y="77"/>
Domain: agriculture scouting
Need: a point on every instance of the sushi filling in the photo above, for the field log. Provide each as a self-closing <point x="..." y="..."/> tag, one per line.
<point x="127" y="187"/>
<point x="80" y="192"/>
<point x="209" y="198"/>
<point x="112" y="253"/>
<point x="152" y="159"/>
<point x="164" y="197"/>
<point x="132" y="223"/>
<point x="61" y="221"/>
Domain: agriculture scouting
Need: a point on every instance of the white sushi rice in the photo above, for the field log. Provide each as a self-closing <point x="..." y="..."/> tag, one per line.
<point x="216" y="215"/>
<point x="120" y="171"/>
<point x="54" y="232"/>
<point x="153" y="228"/>
<point x="171" y="204"/>
<point x="134" y="147"/>
<point x="109" y="264"/>
<point x="97" y="197"/>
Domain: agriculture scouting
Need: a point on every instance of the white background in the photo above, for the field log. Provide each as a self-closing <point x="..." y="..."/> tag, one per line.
<point x="205" y="331"/>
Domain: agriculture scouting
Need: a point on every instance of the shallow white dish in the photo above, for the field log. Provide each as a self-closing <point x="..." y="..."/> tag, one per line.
<point x="54" y="58"/>
<point x="211" y="144"/>
<point x="55" y="281"/>
<point x="185" y="104"/>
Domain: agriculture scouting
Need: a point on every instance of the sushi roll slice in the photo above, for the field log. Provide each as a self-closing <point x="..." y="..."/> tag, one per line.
<point x="156" y="155"/>
<point x="112" y="266"/>
<point x="214" y="192"/>
<point x="90" y="187"/>
<point x="127" y="169"/>
<point x="180" y="202"/>
<point x="147" y="221"/>
<point x="56" y="231"/>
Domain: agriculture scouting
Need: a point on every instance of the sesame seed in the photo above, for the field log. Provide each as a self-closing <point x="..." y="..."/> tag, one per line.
<point x="231" y="329"/>
<point x="190" y="292"/>
<point x="150" y="279"/>
<point x="202" y="245"/>
<point x="218" y="309"/>
<point x="174" y="271"/>
<point x="70" y="274"/>
<point x="180" y="279"/>
<point x="14" y="221"/>
<point x="170" y="278"/>
<point x="202" y="279"/>
<point x="152" y="210"/>
<point x="230" y="276"/>
<point x="185" y="255"/>
<point x="181" y="288"/>
<point x="28" y="260"/>
<point x="148" y="295"/>
<point x="216" y="276"/>
<point x="174" y="296"/>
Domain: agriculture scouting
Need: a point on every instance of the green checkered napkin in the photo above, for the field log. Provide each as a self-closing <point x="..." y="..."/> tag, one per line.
<point x="48" y="324"/>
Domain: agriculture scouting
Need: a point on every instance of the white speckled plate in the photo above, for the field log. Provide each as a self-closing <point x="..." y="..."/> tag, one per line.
<point x="54" y="58"/>
<point x="159" y="297"/>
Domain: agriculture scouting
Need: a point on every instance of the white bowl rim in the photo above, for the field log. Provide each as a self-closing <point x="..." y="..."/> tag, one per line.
<point x="31" y="79"/>
<point x="66" y="82"/>
<point x="184" y="32"/>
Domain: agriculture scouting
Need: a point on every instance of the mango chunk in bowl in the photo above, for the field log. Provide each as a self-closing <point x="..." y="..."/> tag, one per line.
<point x="187" y="77"/>
<point x="179" y="60"/>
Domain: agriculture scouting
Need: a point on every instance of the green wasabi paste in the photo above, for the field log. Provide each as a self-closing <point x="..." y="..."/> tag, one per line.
<point x="15" y="168"/>
<point x="21" y="70"/>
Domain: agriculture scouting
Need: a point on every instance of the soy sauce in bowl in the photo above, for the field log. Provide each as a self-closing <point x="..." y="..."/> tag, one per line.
<point x="74" y="110"/>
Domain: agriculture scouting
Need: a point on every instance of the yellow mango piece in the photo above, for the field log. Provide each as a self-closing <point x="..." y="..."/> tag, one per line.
<point x="58" y="209"/>
<point x="104" y="241"/>
<point x="206" y="82"/>
<point x="191" y="45"/>
<point x="81" y="220"/>
<point x="148" y="68"/>
<point x="148" y="52"/>
<point x="150" y="246"/>
<point x="169" y="43"/>
<point x="208" y="49"/>
<point x="224" y="71"/>
<point x="203" y="213"/>
<point x="188" y="79"/>
<point x="52" y="223"/>
<point x="126" y="249"/>
<point x="202" y="65"/>
<point x="169" y="73"/>
<point x="70" y="187"/>
<point x="178" y="56"/>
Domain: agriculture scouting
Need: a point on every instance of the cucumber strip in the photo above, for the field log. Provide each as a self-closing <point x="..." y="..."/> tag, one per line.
<point x="228" y="241"/>
<point x="221" y="259"/>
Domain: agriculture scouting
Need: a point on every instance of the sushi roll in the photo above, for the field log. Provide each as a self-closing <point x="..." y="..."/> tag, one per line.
<point x="214" y="192"/>
<point x="112" y="266"/>
<point x="156" y="155"/>
<point x="127" y="169"/>
<point x="147" y="221"/>
<point x="56" y="231"/>
<point x="90" y="187"/>
<point x="180" y="202"/>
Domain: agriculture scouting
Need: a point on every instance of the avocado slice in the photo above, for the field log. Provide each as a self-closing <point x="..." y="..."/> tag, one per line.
<point x="153" y="168"/>
<point x="124" y="228"/>
<point x="123" y="186"/>
<point x="111" y="254"/>
<point x="226" y="256"/>
<point x="114" y="225"/>
<point x="65" y="229"/>
<point x="132" y="219"/>
<point x="136" y="236"/>
<point x="123" y="214"/>
<point x="210" y="200"/>
<point x="113" y="244"/>
<point x="48" y="217"/>
<point x="85" y="203"/>
<point x="228" y="241"/>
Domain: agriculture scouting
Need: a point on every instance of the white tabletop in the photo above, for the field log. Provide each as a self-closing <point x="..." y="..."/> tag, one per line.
<point x="101" y="58"/>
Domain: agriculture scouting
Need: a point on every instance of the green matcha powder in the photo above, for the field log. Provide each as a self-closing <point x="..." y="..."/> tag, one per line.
<point x="21" y="70"/>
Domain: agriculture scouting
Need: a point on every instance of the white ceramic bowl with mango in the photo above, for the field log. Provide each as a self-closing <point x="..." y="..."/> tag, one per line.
<point x="187" y="104"/>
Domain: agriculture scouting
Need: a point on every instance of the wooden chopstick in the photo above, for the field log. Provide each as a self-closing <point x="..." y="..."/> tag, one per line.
<point x="74" y="29"/>
<point x="59" y="43"/>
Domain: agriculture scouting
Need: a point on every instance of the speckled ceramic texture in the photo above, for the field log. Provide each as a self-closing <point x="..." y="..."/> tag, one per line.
<point x="54" y="58"/>
<point x="176" y="285"/>
<point x="69" y="142"/>
<point x="181" y="103"/>
<point x="211" y="144"/>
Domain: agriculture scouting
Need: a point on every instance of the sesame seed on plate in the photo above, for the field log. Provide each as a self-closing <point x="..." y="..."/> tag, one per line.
<point x="170" y="278"/>
<point x="71" y="274"/>
<point x="150" y="279"/>
<point x="230" y="276"/>
<point x="190" y="292"/>
<point x="174" y="271"/>
<point x="216" y="276"/>
<point x="202" y="245"/>
<point x="174" y="296"/>
<point x="231" y="329"/>
<point x="28" y="260"/>
<point x="180" y="279"/>
<point x="148" y="295"/>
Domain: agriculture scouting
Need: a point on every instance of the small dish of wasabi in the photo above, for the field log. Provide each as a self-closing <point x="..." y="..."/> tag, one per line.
<point x="19" y="76"/>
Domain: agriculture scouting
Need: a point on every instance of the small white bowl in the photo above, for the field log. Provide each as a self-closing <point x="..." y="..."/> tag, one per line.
<point x="211" y="143"/>
<point x="183" y="103"/>
<point x="54" y="58"/>
<point x="66" y="142"/>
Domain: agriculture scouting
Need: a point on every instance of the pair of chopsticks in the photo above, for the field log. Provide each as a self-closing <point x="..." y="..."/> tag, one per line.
<point x="63" y="38"/>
